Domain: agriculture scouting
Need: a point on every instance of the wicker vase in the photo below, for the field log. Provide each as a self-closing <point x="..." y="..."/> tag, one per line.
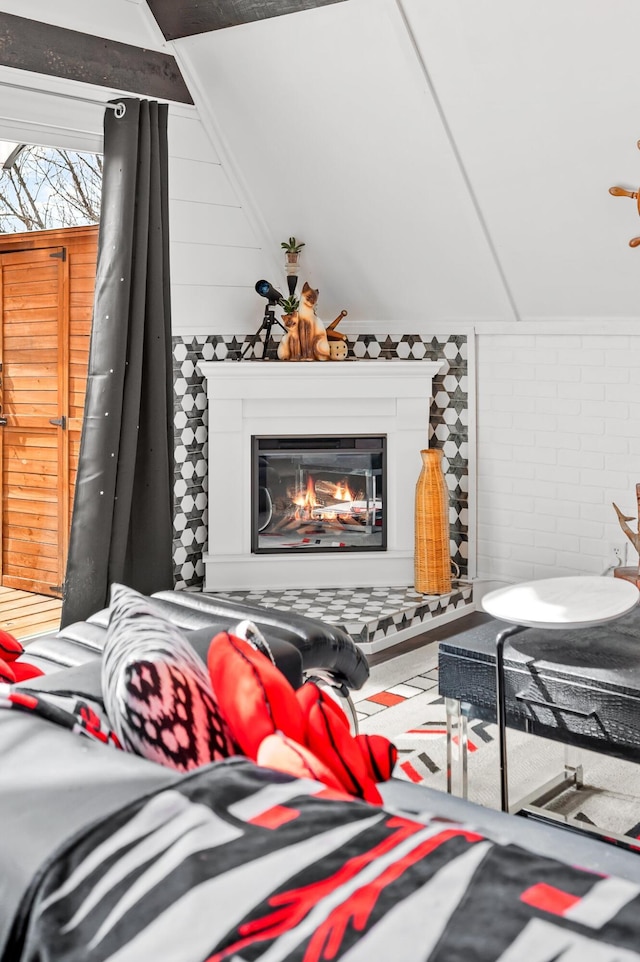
<point x="432" y="559"/>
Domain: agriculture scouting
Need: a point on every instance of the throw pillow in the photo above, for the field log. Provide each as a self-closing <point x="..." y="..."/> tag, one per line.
<point x="156" y="689"/>
<point x="23" y="671"/>
<point x="379" y="754"/>
<point x="10" y="647"/>
<point x="286" y="755"/>
<point x="327" y="735"/>
<point x="7" y="675"/>
<point x="255" y="697"/>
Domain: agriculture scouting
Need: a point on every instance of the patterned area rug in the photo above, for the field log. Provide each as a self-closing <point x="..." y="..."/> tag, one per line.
<point x="401" y="701"/>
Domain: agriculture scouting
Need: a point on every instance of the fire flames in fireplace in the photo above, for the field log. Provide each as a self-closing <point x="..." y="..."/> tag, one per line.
<point x="309" y="507"/>
<point x="319" y="506"/>
<point x="322" y="494"/>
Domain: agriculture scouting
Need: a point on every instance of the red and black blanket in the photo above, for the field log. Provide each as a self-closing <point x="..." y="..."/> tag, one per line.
<point x="236" y="862"/>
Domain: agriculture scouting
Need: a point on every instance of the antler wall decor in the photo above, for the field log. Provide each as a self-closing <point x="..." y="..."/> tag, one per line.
<point x="635" y="195"/>
<point x="623" y="519"/>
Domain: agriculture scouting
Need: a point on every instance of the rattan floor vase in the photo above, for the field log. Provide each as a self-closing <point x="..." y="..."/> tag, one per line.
<point x="432" y="557"/>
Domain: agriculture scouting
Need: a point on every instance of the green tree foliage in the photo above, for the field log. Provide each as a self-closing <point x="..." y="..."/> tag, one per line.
<point x="47" y="188"/>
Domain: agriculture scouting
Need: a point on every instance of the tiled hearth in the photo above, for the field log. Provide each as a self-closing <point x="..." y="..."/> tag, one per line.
<point x="376" y="618"/>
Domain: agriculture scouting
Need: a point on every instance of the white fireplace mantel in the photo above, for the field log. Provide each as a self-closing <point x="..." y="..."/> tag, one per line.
<point x="250" y="398"/>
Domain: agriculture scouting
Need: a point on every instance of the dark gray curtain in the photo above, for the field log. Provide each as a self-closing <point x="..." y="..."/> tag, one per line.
<point x="122" y="525"/>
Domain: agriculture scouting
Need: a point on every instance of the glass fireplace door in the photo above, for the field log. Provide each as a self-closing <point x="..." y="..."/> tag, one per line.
<point x="318" y="494"/>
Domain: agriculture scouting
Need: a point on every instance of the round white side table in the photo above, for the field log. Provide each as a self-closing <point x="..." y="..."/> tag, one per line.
<point x="556" y="603"/>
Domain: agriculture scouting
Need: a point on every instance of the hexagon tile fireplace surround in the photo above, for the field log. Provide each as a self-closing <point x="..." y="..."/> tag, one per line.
<point x="253" y="399"/>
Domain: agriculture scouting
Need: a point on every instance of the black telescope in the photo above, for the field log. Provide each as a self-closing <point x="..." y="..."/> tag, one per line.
<point x="265" y="289"/>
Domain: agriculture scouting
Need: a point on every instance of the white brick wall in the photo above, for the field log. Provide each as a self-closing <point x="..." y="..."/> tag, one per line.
<point x="558" y="440"/>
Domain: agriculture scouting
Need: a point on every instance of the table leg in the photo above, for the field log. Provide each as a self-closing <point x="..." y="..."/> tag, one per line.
<point x="573" y="765"/>
<point x="501" y="711"/>
<point x="456" y="748"/>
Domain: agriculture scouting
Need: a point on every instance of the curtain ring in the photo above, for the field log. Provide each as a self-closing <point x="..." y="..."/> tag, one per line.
<point x="120" y="110"/>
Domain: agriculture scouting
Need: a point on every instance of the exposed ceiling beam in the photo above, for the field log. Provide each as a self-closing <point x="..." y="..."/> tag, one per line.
<point x="57" y="52"/>
<point x="184" y="18"/>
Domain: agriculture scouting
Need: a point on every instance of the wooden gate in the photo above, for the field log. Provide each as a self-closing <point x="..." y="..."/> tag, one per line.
<point x="47" y="281"/>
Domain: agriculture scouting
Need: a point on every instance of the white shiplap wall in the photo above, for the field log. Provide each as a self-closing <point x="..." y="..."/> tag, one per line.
<point x="216" y="256"/>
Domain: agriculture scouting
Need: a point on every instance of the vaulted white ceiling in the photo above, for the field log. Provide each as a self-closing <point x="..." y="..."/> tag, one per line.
<point x="447" y="161"/>
<point x="444" y="162"/>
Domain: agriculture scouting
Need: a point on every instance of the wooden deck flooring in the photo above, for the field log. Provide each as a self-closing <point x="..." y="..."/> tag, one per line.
<point x="25" y="615"/>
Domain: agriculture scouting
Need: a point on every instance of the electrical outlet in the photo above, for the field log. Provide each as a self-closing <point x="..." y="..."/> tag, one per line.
<point x="618" y="553"/>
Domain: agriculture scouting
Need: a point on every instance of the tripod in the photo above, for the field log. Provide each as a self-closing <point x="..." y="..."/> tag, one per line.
<point x="268" y="320"/>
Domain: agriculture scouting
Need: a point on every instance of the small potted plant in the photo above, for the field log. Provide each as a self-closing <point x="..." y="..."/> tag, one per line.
<point x="292" y="249"/>
<point x="289" y="307"/>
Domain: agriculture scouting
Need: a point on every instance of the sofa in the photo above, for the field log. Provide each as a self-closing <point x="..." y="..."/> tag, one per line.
<point x="109" y="856"/>
<point x="305" y="648"/>
<point x="322" y="647"/>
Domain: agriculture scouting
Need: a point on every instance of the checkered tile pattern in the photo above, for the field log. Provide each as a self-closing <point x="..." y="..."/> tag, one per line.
<point x="449" y="426"/>
<point x="367" y="614"/>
